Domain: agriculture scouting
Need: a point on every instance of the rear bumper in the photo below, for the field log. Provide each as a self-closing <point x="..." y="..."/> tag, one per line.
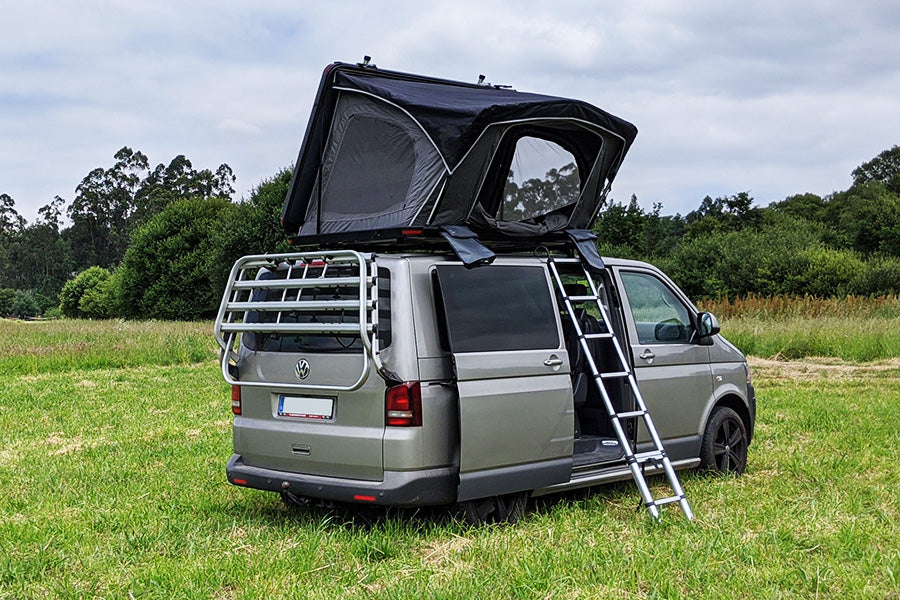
<point x="398" y="488"/>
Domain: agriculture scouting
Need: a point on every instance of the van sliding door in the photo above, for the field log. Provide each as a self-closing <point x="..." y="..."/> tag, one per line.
<point x="516" y="414"/>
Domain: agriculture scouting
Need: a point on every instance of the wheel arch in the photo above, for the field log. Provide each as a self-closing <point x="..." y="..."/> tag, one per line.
<point x="737" y="404"/>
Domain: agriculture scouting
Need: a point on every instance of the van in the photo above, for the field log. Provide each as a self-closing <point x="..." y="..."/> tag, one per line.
<point x="446" y="332"/>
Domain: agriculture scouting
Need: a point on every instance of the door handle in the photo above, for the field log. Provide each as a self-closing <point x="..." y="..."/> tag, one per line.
<point x="647" y="354"/>
<point x="553" y="362"/>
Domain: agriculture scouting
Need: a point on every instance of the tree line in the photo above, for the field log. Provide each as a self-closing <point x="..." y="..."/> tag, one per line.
<point x="140" y="241"/>
<point x="846" y="243"/>
<point x="159" y="242"/>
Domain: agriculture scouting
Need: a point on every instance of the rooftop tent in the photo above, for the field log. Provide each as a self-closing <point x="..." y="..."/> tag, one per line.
<point x="386" y="150"/>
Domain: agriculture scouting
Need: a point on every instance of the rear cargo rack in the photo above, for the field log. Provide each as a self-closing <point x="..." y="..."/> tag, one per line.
<point x="279" y="294"/>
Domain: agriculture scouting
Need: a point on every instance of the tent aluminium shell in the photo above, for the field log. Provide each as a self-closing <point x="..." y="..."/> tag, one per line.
<point x="386" y="150"/>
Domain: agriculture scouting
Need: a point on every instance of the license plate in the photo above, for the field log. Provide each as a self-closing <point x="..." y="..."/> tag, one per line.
<point x="301" y="407"/>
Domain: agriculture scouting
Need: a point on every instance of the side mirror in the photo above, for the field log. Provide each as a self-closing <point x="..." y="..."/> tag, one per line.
<point x="708" y="325"/>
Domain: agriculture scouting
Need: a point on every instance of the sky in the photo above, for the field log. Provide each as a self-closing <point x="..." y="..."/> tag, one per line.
<point x="771" y="97"/>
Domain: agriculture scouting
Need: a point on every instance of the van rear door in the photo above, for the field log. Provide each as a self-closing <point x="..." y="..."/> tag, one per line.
<point x="516" y="414"/>
<point x="309" y="401"/>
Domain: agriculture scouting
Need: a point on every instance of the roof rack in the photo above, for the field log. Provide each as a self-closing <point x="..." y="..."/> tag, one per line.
<point x="426" y="239"/>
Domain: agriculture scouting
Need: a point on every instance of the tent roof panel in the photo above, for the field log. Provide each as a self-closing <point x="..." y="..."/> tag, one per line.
<point x="453" y="114"/>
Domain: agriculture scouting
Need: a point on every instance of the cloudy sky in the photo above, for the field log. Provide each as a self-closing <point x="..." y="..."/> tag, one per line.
<point x="772" y="97"/>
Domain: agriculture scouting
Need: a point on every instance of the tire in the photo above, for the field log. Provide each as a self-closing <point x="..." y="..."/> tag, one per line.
<point x="724" y="446"/>
<point x="509" y="508"/>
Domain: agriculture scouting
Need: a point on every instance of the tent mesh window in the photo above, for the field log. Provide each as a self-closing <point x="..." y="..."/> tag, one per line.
<point x="542" y="177"/>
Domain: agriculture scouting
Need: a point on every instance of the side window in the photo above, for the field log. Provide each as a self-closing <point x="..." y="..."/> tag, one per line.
<point x="659" y="316"/>
<point x="384" y="307"/>
<point x="497" y="308"/>
<point x="543" y="176"/>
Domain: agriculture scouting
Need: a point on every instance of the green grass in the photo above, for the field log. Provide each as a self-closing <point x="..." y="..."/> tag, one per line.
<point x="70" y="345"/>
<point x="849" y="338"/>
<point x="113" y="486"/>
<point x="853" y="328"/>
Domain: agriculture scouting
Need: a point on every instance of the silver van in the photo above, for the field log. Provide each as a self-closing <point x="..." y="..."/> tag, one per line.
<point x="448" y="334"/>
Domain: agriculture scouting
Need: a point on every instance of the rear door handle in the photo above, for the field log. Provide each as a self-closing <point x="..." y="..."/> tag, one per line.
<point x="553" y="362"/>
<point x="647" y="354"/>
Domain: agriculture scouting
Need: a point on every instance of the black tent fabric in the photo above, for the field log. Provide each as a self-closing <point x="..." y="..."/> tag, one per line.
<point x="385" y="149"/>
<point x="454" y="115"/>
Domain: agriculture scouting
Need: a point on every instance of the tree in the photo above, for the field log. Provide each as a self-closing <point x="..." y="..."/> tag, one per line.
<point x="7" y="297"/>
<point x="111" y="203"/>
<point x="254" y="226"/>
<point x="10" y="220"/>
<point x="166" y="184"/>
<point x="866" y="218"/>
<point x="539" y="196"/>
<point x="725" y="213"/>
<point x="11" y="224"/>
<point x="884" y="168"/>
<point x="168" y="271"/>
<point x="100" y="212"/>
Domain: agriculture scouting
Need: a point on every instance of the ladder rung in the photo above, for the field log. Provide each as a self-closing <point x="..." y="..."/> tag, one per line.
<point x="614" y="375"/>
<point x="287" y="284"/>
<point x="647" y="456"/>
<point x="657" y="457"/>
<point x="630" y="414"/>
<point x="299" y="305"/>
<point x="669" y="500"/>
<point x="596" y="336"/>
<point x="294" y="328"/>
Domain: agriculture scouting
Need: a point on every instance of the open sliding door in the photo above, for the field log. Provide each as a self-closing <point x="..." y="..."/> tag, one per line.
<point x="516" y="414"/>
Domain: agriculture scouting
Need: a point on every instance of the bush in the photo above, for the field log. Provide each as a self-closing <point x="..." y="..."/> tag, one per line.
<point x="92" y="283"/>
<point x="168" y="271"/>
<point x="7" y="297"/>
<point x="829" y="273"/>
<point x="25" y="305"/>
<point x="879" y="276"/>
<point x="52" y="313"/>
<point x="95" y="303"/>
<point x="766" y="261"/>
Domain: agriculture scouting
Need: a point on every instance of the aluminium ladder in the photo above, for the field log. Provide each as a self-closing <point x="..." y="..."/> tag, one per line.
<point x="636" y="460"/>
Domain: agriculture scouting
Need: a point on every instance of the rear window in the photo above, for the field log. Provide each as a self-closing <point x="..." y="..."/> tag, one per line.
<point x="497" y="308"/>
<point x="324" y="343"/>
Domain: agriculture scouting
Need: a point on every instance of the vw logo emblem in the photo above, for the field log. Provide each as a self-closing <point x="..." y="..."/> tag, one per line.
<point x="302" y="369"/>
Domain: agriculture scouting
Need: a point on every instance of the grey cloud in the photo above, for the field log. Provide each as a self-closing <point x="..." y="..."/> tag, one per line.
<point x="774" y="97"/>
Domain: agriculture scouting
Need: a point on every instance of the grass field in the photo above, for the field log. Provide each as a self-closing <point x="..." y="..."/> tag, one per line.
<point x="112" y="459"/>
<point x="854" y="328"/>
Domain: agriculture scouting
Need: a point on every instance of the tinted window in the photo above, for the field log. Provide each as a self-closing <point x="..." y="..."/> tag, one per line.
<point x="384" y="307"/>
<point x="276" y="342"/>
<point x="659" y="316"/>
<point x="497" y="308"/>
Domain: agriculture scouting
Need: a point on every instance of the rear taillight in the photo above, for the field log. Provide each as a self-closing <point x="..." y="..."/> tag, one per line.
<point x="236" y="399"/>
<point x="403" y="405"/>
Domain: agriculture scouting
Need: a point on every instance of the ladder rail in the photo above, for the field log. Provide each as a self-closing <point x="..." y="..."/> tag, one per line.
<point x="634" y="460"/>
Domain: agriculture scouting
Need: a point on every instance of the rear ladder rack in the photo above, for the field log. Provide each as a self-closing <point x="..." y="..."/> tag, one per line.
<point x="352" y="272"/>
